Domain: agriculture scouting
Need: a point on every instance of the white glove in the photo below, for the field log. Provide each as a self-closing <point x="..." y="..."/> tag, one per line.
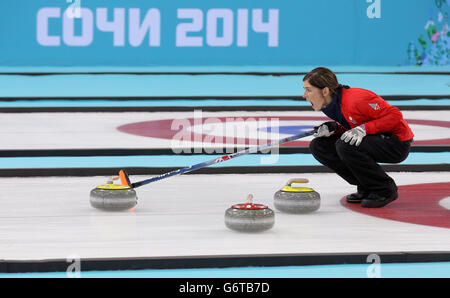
<point x="354" y="135"/>
<point x="326" y="129"/>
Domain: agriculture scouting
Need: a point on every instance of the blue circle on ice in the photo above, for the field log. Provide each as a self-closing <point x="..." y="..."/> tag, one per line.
<point x="292" y="129"/>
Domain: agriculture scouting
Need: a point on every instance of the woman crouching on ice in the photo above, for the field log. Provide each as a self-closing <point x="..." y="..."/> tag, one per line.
<point x="366" y="130"/>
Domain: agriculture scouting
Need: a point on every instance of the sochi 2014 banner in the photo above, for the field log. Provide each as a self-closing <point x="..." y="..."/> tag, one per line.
<point x="234" y="32"/>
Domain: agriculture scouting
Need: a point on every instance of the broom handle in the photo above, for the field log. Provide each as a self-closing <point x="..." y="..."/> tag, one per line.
<point x="223" y="158"/>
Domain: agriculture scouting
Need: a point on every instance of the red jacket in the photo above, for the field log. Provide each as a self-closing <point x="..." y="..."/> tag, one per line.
<point x="360" y="106"/>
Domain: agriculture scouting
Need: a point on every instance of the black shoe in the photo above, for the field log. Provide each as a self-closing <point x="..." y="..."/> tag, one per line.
<point x="357" y="197"/>
<point x="377" y="201"/>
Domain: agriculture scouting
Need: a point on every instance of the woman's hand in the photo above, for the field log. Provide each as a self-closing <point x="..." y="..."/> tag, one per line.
<point x="354" y="135"/>
<point x="326" y="129"/>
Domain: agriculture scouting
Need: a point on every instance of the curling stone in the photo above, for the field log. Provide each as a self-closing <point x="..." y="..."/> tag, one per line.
<point x="113" y="197"/>
<point x="291" y="199"/>
<point x="249" y="217"/>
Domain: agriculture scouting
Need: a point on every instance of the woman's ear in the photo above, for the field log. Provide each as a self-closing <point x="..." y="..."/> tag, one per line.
<point x="326" y="91"/>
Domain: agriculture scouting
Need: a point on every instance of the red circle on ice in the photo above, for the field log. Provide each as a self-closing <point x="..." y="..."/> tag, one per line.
<point x="416" y="204"/>
<point x="249" y="206"/>
<point x="162" y="129"/>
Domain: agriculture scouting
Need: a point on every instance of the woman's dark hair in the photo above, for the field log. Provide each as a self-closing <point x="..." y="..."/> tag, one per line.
<point x="322" y="77"/>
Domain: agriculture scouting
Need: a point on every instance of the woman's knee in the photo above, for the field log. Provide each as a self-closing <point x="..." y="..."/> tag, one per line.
<point x="343" y="149"/>
<point x="314" y="146"/>
<point x="319" y="146"/>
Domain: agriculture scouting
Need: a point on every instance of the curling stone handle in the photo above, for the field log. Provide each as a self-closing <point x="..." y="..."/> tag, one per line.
<point x="297" y="180"/>
<point x="250" y="198"/>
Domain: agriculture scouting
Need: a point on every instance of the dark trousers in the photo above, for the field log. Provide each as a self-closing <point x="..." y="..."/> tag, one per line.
<point x="358" y="165"/>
